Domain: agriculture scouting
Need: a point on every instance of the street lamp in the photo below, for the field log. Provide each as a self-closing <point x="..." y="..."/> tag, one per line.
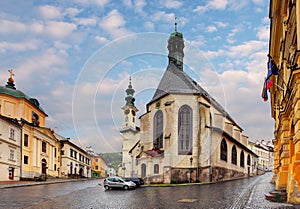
<point x="191" y="162"/>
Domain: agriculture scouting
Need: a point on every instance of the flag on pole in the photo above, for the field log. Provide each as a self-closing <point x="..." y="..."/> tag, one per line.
<point x="264" y="93"/>
<point x="272" y="70"/>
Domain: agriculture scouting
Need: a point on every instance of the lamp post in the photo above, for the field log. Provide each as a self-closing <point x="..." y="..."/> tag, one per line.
<point x="191" y="162"/>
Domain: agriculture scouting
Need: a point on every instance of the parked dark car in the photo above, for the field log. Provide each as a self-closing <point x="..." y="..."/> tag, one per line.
<point x="135" y="180"/>
<point x="117" y="182"/>
<point x="141" y="180"/>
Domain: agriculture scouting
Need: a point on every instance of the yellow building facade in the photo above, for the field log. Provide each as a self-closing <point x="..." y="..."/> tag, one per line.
<point x="39" y="147"/>
<point x="99" y="167"/>
<point x="284" y="48"/>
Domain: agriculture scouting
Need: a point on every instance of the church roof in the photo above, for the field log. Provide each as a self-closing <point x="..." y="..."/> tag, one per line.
<point x="176" y="81"/>
<point x="10" y="90"/>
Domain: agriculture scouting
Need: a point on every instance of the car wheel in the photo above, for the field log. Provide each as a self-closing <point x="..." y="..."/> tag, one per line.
<point x="126" y="187"/>
<point x="106" y="187"/>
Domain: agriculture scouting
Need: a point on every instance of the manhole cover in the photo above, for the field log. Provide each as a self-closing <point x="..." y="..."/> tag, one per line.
<point x="187" y="200"/>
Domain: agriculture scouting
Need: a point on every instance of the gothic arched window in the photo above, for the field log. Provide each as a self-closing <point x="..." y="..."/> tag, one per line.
<point x="223" y="150"/>
<point x="248" y="160"/>
<point x="242" y="159"/>
<point x="233" y="155"/>
<point x="185" y="127"/>
<point x="156" y="169"/>
<point x="158" y="130"/>
<point x="143" y="168"/>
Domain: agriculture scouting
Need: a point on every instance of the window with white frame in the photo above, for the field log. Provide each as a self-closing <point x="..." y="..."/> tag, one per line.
<point x="12" y="133"/>
<point x="11" y="154"/>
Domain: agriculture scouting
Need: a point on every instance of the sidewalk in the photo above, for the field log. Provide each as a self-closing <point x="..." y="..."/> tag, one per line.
<point x="257" y="197"/>
<point x="11" y="184"/>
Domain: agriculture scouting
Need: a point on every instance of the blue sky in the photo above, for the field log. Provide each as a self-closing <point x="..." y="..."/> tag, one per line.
<point x="76" y="57"/>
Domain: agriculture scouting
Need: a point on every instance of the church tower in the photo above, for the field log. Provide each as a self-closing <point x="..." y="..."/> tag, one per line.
<point x="130" y="132"/>
<point x="175" y="47"/>
<point x="129" y="110"/>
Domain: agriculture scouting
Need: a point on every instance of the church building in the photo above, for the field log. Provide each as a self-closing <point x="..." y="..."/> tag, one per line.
<point x="185" y="135"/>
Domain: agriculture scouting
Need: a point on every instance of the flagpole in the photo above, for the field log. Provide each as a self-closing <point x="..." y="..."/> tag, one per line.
<point x="279" y="86"/>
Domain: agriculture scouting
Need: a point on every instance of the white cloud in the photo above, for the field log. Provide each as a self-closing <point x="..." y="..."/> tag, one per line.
<point x="149" y="25"/>
<point x="72" y="12"/>
<point x="19" y="46"/>
<point x="114" y="24"/>
<point x="86" y="21"/>
<point x="8" y="26"/>
<point x="101" y="39"/>
<point x="211" y="28"/>
<point x="139" y="5"/>
<point x="128" y="3"/>
<point x="60" y="29"/>
<point x="221" y="24"/>
<point x="172" y="4"/>
<point x="163" y="16"/>
<point x="263" y="33"/>
<point x="246" y="49"/>
<point x="37" y="27"/>
<point x="100" y="3"/>
<point x="213" y="54"/>
<point x="212" y="5"/>
<point x="50" y="12"/>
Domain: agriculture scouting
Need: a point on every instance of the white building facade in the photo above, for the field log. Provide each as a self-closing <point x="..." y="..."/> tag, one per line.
<point x="75" y="160"/>
<point x="10" y="149"/>
<point x="265" y="152"/>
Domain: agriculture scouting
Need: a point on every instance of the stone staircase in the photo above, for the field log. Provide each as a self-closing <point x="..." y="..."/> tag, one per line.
<point x="278" y="195"/>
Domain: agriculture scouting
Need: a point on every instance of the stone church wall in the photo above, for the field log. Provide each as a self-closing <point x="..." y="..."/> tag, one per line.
<point x="220" y="174"/>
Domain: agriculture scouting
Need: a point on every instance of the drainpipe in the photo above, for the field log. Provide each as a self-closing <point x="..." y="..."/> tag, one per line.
<point x="21" y="148"/>
<point x="198" y="140"/>
<point x="210" y="147"/>
<point x="298" y="23"/>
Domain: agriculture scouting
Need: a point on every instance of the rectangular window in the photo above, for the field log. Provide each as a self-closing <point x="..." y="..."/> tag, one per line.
<point x="96" y="167"/>
<point x="71" y="153"/>
<point x="55" y="167"/>
<point x="12" y="133"/>
<point x="25" y="140"/>
<point x="25" y="160"/>
<point x="44" y="147"/>
<point x="55" y="152"/>
<point x="11" y="154"/>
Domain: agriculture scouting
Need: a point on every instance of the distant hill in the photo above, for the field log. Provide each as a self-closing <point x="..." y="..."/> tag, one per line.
<point x="112" y="159"/>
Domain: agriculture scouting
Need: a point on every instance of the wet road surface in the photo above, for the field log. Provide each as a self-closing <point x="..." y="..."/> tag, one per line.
<point x="88" y="194"/>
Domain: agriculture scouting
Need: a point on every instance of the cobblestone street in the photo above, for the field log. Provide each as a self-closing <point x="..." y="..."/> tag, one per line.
<point x="243" y="193"/>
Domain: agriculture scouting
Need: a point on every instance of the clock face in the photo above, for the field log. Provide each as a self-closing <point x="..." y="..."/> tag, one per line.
<point x="133" y="112"/>
<point x="127" y="112"/>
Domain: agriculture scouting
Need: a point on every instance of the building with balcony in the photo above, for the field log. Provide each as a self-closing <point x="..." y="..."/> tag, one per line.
<point x="284" y="51"/>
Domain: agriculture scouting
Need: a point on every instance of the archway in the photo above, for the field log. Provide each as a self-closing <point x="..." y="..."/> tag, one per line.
<point x="44" y="166"/>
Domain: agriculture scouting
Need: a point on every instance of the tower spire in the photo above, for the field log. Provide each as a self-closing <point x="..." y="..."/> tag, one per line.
<point x="175" y="47"/>
<point x="130" y="94"/>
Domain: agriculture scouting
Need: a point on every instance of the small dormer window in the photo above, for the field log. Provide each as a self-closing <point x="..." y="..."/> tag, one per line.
<point x="35" y="119"/>
<point x="12" y="133"/>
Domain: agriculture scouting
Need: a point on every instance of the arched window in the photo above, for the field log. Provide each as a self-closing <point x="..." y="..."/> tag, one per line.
<point x="158" y="130"/>
<point x="248" y="160"/>
<point x="156" y="169"/>
<point x="242" y="159"/>
<point x="233" y="155"/>
<point x="223" y="150"/>
<point x="185" y="127"/>
<point x="143" y="168"/>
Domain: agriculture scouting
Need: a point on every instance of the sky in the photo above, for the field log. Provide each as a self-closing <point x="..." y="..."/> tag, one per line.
<point x="76" y="58"/>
